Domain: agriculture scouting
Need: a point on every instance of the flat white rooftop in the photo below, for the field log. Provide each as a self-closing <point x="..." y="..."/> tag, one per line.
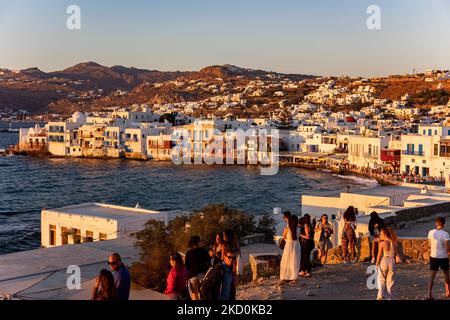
<point x="41" y="274"/>
<point x="102" y="210"/>
<point x="383" y="191"/>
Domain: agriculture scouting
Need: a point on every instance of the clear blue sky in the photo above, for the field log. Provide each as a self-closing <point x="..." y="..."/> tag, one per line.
<point x="295" y="36"/>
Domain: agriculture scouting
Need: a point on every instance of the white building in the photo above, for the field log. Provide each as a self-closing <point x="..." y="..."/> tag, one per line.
<point x="365" y="152"/>
<point x="428" y="152"/>
<point x="92" y="222"/>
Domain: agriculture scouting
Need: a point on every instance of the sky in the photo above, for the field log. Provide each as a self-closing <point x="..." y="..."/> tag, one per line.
<point x="319" y="37"/>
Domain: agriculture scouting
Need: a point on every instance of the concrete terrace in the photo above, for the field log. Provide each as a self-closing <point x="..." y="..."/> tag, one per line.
<point x="41" y="274"/>
<point x="383" y="199"/>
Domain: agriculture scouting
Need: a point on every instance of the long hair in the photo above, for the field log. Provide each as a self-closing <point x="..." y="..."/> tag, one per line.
<point x="220" y="235"/>
<point x="178" y="259"/>
<point x="390" y="234"/>
<point x="108" y="289"/>
<point x="293" y="224"/>
<point x="350" y="214"/>
<point x="307" y="220"/>
<point x="231" y="240"/>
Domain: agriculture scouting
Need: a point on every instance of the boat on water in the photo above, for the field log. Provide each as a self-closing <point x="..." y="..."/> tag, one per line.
<point x="2" y="152"/>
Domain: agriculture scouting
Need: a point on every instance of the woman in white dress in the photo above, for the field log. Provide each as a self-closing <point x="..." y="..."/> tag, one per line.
<point x="290" y="261"/>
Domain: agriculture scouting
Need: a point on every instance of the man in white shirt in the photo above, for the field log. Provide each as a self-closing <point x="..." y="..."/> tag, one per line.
<point x="440" y="249"/>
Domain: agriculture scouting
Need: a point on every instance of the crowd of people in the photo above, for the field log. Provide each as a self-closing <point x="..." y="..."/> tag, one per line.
<point x="206" y="275"/>
<point x="212" y="274"/>
<point x="300" y="238"/>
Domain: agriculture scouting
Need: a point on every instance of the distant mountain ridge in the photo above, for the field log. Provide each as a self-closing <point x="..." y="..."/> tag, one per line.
<point x="34" y="90"/>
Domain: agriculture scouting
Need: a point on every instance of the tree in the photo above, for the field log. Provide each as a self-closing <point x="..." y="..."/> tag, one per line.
<point x="157" y="241"/>
<point x="266" y="225"/>
<point x="213" y="219"/>
<point x="155" y="249"/>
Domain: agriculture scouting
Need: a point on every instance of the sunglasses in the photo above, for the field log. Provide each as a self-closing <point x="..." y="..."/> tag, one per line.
<point x="231" y="257"/>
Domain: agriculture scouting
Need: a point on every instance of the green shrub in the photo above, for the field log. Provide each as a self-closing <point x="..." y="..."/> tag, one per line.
<point x="155" y="249"/>
<point x="266" y="226"/>
<point x="157" y="241"/>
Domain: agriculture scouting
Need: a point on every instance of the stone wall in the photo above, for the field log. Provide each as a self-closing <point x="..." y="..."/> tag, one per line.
<point x="410" y="249"/>
<point x="416" y="250"/>
<point x="413" y="214"/>
<point x="264" y="265"/>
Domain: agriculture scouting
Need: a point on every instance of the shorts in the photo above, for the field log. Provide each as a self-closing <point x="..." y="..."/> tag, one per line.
<point x="324" y="244"/>
<point x="436" y="263"/>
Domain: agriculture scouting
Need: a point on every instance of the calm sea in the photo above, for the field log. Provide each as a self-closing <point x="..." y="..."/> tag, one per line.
<point x="29" y="184"/>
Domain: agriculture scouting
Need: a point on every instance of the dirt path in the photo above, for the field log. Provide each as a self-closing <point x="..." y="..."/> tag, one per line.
<point x="344" y="282"/>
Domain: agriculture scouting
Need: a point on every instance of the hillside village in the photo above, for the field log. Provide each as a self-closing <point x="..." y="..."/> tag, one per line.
<point x="396" y="125"/>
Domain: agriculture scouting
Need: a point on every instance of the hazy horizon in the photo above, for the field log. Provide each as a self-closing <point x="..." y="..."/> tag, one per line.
<point x="320" y="38"/>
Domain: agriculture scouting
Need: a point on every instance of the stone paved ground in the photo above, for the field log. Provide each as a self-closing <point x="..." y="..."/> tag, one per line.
<point x="344" y="282"/>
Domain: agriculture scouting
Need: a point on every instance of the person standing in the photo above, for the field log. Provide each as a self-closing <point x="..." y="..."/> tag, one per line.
<point x="290" y="261"/>
<point x="177" y="278"/>
<point x="307" y="245"/>
<point x="386" y="265"/>
<point x="197" y="263"/>
<point x="440" y="249"/>
<point x="219" y="283"/>
<point x="230" y="241"/>
<point x="216" y="252"/>
<point x="323" y="232"/>
<point x="348" y="235"/>
<point x="375" y="226"/>
<point x="104" y="288"/>
<point x="121" y="275"/>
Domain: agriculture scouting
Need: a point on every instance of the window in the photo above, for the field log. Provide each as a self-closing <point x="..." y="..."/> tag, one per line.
<point x="102" y="236"/>
<point x="436" y="149"/>
<point x="52" y="235"/>
<point x="76" y="236"/>
<point x="64" y="236"/>
<point x="89" y="236"/>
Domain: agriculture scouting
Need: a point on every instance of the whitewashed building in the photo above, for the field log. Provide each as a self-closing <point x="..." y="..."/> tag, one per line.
<point x="365" y="152"/>
<point x="92" y="222"/>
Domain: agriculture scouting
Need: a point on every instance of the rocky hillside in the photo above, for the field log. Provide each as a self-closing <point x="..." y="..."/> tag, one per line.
<point x="90" y="85"/>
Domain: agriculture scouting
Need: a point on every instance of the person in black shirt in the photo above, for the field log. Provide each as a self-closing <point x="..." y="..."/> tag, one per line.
<point x="197" y="263"/>
<point x="375" y="226"/>
<point x="307" y="245"/>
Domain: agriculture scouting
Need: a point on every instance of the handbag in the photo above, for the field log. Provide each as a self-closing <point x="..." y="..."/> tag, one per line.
<point x="282" y="244"/>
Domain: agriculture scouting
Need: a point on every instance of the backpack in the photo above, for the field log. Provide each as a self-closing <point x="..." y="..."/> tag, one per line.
<point x="210" y="286"/>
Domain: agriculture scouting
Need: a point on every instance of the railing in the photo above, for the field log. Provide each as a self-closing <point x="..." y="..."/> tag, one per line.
<point x="370" y="155"/>
<point x="413" y="153"/>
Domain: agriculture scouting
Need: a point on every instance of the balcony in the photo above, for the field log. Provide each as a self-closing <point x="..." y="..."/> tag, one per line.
<point x="413" y="153"/>
<point x="370" y="155"/>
